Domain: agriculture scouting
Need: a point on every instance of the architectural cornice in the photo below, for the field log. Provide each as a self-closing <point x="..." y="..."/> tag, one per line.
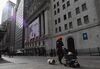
<point x="76" y="30"/>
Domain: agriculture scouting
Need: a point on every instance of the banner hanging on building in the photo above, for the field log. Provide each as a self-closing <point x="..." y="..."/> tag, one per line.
<point x="85" y="36"/>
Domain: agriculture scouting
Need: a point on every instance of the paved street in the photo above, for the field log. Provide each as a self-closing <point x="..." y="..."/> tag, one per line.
<point x="35" y="62"/>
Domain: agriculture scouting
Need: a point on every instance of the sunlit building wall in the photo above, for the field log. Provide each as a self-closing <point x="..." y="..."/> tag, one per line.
<point x="8" y="23"/>
<point x="19" y="25"/>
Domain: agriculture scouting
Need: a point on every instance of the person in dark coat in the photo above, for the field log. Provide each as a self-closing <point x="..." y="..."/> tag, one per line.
<point x="59" y="47"/>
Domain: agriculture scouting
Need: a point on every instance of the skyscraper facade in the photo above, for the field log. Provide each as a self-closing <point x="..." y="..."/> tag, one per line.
<point x="19" y="25"/>
<point x="8" y="23"/>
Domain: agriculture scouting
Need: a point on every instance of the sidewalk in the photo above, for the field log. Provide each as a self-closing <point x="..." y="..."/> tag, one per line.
<point x="86" y="62"/>
<point x="89" y="61"/>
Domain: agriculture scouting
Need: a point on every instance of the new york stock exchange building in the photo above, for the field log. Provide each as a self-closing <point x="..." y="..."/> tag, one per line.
<point x="75" y="21"/>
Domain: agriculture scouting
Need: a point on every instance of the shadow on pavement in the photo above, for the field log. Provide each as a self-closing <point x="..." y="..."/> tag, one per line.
<point x="3" y="61"/>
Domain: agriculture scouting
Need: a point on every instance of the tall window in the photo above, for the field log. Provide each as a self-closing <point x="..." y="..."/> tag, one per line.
<point x="55" y="22"/>
<point x="77" y="10"/>
<point x="55" y="12"/>
<point x="56" y="30"/>
<point x="65" y="26"/>
<point x="86" y="19"/>
<point x="84" y="7"/>
<point x="68" y="3"/>
<point x="70" y="25"/>
<point x="59" y="20"/>
<point x="79" y="22"/>
<point x="54" y="6"/>
<point x="58" y="10"/>
<point x="59" y="28"/>
<point x="58" y="3"/>
<point x="69" y="15"/>
<point x="65" y="17"/>
<point x="63" y="6"/>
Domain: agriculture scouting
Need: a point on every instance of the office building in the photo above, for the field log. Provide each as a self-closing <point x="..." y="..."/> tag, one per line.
<point x="19" y="25"/>
<point x="8" y="24"/>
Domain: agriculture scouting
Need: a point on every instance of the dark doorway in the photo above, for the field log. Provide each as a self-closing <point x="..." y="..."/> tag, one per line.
<point x="71" y="46"/>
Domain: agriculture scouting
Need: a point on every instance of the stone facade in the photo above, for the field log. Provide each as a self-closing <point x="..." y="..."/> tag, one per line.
<point x="76" y="21"/>
<point x="79" y="21"/>
<point x="36" y="10"/>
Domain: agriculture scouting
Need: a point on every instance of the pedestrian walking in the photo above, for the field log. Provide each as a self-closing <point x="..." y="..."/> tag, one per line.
<point x="59" y="47"/>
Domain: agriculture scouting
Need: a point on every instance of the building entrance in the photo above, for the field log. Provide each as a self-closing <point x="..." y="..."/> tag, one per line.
<point x="70" y="44"/>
